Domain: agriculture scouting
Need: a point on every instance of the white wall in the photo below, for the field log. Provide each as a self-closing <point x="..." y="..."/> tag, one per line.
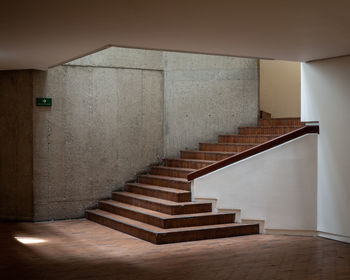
<point x="325" y="97"/>
<point x="278" y="186"/>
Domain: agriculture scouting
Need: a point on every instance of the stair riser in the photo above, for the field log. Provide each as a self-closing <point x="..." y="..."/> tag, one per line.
<point x="203" y="156"/>
<point x="244" y="139"/>
<point x="176" y="197"/>
<point x="129" y="229"/>
<point x="167" y="209"/>
<point x="175" y="222"/>
<point x="169" y="172"/>
<point x="165" y="183"/>
<point x="265" y="130"/>
<point x="281" y="122"/>
<point x="174" y="237"/>
<point x="199" y="221"/>
<point x="142" y="217"/>
<point x="236" y="148"/>
<point x="184" y="164"/>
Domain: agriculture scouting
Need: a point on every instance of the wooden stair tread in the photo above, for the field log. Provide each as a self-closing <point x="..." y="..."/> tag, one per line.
<point x="159" y="214"/>
<point x="156" y="200"/>
<point x="227" y="144"/>
<point x="210" y="152"/>
<point x="194" y="160"/>
<point x="175" y="168"/>
<point x="164" y="177"/>
<point x="159" y="188"/>
<point x="158" y="230"/>
<point x="274" y="126"/>
<point x="286" y="119"/>
<point x="253" y="135"/>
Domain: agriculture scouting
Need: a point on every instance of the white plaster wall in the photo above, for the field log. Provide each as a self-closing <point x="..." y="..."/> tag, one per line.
<point x="325" y="97"/>
<point x="278" y="186"/>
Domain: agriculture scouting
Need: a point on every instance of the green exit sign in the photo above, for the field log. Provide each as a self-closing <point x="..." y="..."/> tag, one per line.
<point x="44" y="101"/>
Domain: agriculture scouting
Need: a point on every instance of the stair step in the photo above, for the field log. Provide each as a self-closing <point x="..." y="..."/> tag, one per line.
<point x="165" y="181"/>
<point x="164" y="220"/>
<point x="187" y="163"/>
<point x="258" y="139"/>
<point x="161" y="205"/>
<point x="205" y="155"/>
<point x="158" y="235"/>
<point x="266" y="130"/>
<point x="171" y="171"/>
<point x="225" y="147"/>
<point x="281" y="122"/>
<point x="161" y="192"/>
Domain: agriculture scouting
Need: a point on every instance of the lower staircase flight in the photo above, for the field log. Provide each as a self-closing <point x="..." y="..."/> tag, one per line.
<point x="158" y="207"/>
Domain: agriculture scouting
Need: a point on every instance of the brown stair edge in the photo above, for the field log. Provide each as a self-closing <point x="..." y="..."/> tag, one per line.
<point x="163" y="220"/>
<point x="162" y="205"/>
<point x="161" y="236"/>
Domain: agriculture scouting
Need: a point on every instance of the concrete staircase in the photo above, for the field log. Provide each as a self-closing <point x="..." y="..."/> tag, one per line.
<point x="158" y="207"/>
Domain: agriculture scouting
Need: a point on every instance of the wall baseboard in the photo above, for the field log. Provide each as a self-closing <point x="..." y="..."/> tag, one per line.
<point x="321" y="234"/>
<point x="291" y="232"/>
<point x="333" y="236"/>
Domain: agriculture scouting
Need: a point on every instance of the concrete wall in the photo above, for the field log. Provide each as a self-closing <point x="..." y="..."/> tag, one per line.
<point x="16" y="145"/>
<point x="326" y="98"/>
<point x="104" y="127"/>
<point x="122" y="58"/>
<point x="206" y="95"/>
<point x="116" y="112"/>
<point x="278" y="186"/>
<point x="280" y="88"/>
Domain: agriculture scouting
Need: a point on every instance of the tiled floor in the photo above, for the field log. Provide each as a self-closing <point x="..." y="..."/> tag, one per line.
<point x="81" y="249"/>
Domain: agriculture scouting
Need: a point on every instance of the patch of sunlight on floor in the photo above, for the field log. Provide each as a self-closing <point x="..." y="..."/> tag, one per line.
<point x="29" y="240"/>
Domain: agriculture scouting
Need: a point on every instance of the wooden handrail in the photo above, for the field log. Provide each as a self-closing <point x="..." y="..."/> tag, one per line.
<point x="253" y="151"/>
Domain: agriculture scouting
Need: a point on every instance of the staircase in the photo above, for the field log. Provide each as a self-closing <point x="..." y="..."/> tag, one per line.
<point x="158" y="207"/>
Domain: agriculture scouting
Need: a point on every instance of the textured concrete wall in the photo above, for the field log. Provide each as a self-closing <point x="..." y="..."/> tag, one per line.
<point x="114" y="113"/>
<point x="16" y="142"/>
<point x="123" y="58"/>
<point x="206" y="95"/>
<point x="105" y="126"/>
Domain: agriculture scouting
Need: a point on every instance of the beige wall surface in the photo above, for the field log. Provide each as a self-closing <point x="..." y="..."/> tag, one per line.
<point x="280" y="88"/>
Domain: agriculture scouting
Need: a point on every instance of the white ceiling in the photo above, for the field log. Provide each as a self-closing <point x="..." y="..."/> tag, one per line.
<point x="38" y="34"/>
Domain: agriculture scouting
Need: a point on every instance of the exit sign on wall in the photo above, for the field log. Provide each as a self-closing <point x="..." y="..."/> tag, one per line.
<point x="44" y="101"/>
